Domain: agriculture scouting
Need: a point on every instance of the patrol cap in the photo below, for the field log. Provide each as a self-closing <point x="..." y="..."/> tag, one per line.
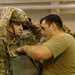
<point x="19" y="16"/>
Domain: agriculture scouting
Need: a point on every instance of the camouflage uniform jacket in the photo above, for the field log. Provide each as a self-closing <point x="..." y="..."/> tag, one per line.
<point x="7" y="49"/>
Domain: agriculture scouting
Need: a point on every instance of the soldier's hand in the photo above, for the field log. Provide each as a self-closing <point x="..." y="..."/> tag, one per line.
<point x="7" y="12"/>
<point x="29" y="22"/>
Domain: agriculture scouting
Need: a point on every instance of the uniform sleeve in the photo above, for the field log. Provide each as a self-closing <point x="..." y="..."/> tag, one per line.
<point x="2" y="65"/>
<point x="28" y="39"/>
<point x="3" y="23"/>
<point x="57" y="45"/>
<point x="35" y="29"/>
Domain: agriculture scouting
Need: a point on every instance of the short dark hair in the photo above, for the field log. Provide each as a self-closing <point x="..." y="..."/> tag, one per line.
<point x="53" y="18"/>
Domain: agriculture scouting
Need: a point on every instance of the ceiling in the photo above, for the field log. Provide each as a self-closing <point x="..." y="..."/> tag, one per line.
<point x="61" y="6"/>
<point x="32" y="1"/>
<point x="41" y="3"/>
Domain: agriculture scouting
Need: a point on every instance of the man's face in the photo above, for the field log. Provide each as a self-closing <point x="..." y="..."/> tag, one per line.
<point x="46" y="30"/>
<point x="17" y="28"/>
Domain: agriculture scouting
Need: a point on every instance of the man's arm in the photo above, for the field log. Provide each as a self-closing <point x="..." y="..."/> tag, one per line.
<point x="35" y="29"/>
<point x="5" y="17"/>
<point x="3" y="23"/>
<point x="37" y="52"/>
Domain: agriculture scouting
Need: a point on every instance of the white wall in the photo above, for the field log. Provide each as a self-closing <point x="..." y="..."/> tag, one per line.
<point x="30" y="1"/>
<point x="36" y="15"/>
<point x="67" y="15"/>
<point x="68" y="19"/>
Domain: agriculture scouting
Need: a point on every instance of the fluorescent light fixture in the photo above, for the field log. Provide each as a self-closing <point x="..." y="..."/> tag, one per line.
<point x="43" y="7"/>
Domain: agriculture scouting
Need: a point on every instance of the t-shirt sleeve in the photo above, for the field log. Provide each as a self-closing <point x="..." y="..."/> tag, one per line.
<point x="57" y="45"/>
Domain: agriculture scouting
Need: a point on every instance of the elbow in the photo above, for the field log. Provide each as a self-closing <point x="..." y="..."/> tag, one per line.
<point x="38" y="56"/>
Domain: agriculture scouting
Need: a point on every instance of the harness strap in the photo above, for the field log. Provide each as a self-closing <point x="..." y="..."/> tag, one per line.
<point x="13" y="33"/>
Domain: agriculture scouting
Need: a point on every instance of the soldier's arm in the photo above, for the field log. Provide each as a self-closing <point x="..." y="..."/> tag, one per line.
<point x="2" y="53"/>
<point x="5" y="17"/>
<point x="35" y="29"/>
<point x="3" y="23"/>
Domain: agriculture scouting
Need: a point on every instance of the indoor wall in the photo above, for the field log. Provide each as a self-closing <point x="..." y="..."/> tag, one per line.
<point x="36" y="9"/>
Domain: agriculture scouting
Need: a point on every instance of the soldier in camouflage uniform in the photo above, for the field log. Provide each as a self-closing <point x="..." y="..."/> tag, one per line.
<point x="11" y="36"/>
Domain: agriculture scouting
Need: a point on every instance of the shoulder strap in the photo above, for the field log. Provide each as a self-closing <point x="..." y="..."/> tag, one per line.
<point x="6" y="53"/>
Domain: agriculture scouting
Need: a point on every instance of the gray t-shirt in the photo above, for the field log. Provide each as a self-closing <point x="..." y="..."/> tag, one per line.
<point x="63" y="49"/>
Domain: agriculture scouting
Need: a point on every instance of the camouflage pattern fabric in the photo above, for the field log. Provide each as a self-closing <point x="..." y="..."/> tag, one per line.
<point x="30" y="38"/>
<point x="19" y="16"/>
<point x="1" y="59"/>
<point x="3" y="23"/>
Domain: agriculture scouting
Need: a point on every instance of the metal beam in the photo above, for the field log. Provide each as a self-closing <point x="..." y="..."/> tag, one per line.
<point x="30" y="1"/>
<point x="43" y="7"/>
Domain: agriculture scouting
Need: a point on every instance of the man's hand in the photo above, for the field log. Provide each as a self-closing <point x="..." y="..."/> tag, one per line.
<point x="29" y="22"/>
<point x="7" y="12"/>
<point x="20" y="49"/>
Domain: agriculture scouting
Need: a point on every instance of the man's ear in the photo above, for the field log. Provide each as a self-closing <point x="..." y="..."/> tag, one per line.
<point x="53" y="26"/>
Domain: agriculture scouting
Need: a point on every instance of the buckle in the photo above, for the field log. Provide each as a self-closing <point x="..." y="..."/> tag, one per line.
<point x="8" y="72"/>
<point x="14" y="55"/>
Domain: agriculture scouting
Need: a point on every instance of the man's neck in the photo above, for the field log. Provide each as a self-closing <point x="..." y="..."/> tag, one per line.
<point x="58" y="32"/>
